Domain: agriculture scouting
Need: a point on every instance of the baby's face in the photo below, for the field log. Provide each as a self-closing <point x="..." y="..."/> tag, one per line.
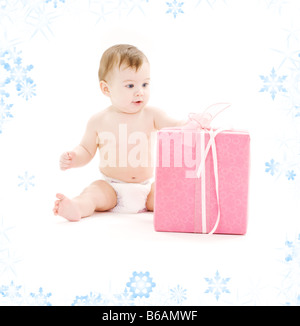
<point x="129" y="89"/>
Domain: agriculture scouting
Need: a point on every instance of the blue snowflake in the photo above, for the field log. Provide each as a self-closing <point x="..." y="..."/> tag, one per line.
<point x="293" y="250"/>
<point x="55" y="2"/>
<point x="8" y="261"/>
<point x="26" y="89"/>
<point x="272" y="167"/>
<point x="217" y="285"/>
<point x="178" y="294"/>
<point x="10" y="291"/>
<point x="140" y="285"/>
<point x="13" y="72"/>
<point x="40" y="298"/>
<point x="294" y="302"/>
<point x="175" y="8"/>
<point x="290" y="174"/>
<point x="26" y="181"/>
<point x="88" y="300"/>
<point x="292" y="270"/>
<point x="19" y="73"/>
<point x="276" y="5"/>
<point x="5" y="112"/>
<point x="41" y="21"/>
<point x="273" y="83"/>
<point x="125" y="298"/>
<point x="288" y="55"/>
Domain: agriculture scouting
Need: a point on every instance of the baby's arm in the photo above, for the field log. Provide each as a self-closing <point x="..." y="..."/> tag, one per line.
<point x="162" y="120"/>
<point x="84" y="152"/>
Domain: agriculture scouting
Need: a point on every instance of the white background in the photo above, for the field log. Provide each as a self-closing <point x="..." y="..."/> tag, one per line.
<point x="213" y="51"/>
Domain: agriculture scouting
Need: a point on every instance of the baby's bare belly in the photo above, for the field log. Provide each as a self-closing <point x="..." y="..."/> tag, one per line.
<point x="128" y="174"/>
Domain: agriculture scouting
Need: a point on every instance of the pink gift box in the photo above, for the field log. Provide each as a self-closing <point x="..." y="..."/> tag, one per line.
<point x="185" y="202"/>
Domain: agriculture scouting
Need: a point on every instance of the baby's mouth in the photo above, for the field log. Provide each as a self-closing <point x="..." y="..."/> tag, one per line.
<point x="138" y="102"/>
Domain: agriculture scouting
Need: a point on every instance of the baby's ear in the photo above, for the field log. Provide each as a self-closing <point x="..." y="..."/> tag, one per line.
<point x="104" y="88"/>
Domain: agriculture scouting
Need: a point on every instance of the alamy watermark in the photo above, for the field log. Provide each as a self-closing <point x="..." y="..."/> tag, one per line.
<point x="175" y="149"/>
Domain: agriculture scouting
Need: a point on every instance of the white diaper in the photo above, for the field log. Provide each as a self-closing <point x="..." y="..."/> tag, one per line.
<point x="131" y="197"/>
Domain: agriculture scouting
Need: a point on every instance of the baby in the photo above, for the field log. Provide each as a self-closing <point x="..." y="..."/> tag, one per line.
<point x="123" y="134"/>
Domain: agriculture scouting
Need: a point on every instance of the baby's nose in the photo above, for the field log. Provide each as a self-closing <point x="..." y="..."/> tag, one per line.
<point x="140" y="92"/>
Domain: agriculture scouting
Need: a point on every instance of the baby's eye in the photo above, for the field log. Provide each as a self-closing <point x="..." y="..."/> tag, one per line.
<point x="145" y="84"/>
<point x="129" y="86"/>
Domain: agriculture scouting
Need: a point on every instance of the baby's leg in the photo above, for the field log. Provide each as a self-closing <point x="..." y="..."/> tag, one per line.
<point x="150" y="199"/>
<point x="99" y="196"/>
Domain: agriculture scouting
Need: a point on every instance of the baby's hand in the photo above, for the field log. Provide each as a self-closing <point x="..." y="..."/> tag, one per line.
<point x="66" y="160"/>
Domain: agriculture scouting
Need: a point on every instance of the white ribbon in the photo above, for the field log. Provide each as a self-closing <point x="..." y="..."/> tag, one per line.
<point x="203" y="121"/>
<point x="201" y="174"/>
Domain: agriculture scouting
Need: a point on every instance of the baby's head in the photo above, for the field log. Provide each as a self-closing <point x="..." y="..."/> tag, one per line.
<point x="118" y="55"/>
<point x="124" y="76"/>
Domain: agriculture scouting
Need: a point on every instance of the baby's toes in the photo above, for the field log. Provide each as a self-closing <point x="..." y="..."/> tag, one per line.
<point x="55" y="209"/>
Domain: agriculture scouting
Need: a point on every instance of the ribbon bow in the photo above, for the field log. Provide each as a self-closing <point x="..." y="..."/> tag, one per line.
<point x="203" y="120"/>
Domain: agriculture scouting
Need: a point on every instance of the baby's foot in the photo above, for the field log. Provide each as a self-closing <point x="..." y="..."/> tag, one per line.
<point x="66" y="208"/>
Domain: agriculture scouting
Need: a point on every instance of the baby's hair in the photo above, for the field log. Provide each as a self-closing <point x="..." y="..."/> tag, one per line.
<point x="120" y="54"/>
